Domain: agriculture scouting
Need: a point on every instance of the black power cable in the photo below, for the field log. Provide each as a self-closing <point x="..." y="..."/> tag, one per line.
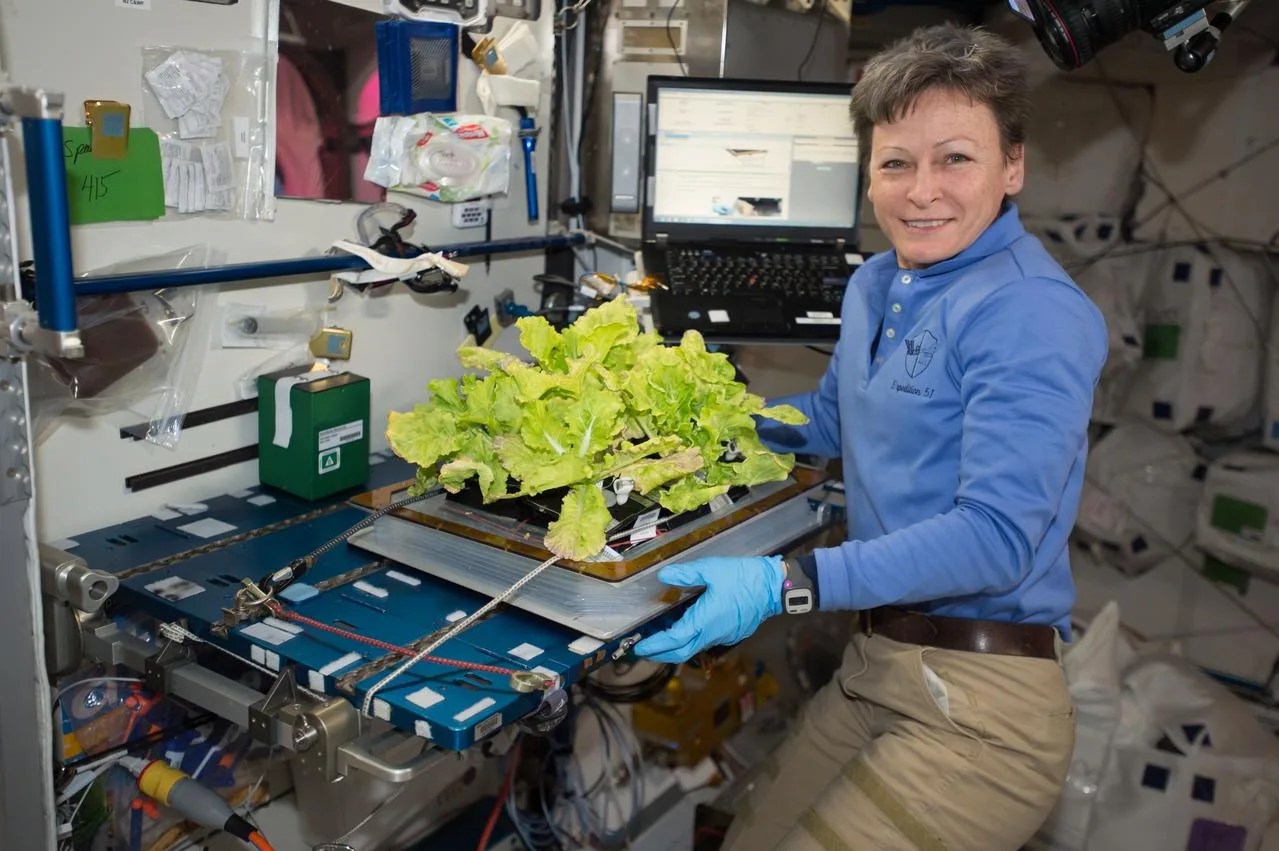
<point x="817" y="33"/>
<point x="670" y="36"/>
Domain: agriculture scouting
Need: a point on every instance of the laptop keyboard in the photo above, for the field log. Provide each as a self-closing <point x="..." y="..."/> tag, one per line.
<point x="816" y="278"/>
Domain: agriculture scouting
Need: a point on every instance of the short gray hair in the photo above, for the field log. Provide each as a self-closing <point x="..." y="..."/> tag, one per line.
<point x="969" y="61"/>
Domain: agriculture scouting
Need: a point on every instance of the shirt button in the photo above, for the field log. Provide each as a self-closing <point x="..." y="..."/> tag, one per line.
<point x="905" y="279"/>
<point x="890" y="333"/>
<point x="897" y="308"/>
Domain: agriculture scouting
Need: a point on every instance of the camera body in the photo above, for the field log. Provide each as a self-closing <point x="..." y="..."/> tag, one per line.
<point x="1073" y="32"/>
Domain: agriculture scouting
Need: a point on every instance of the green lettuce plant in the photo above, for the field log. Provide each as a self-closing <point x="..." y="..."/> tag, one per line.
<point x="600" y="401"/>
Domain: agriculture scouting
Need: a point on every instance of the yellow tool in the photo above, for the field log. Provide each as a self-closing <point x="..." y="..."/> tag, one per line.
<point x="332" y="343"/>
<point x="108" y="121"/>
<point x="486" y="55"/>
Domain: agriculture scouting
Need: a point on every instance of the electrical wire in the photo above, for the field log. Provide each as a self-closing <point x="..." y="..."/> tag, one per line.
<point x="62" y="691"/>
<point x="1200" y="230"/>
<point x="251" y="796"/>
<point x="817" y="32"/>
<point x="1220" y="174"/>
<point x="259" y="841"/>
<point x="620" y="247"/>
<point x="670" y="36"/>
<point x="513" y="759"/>
<point x="591" y="80"/>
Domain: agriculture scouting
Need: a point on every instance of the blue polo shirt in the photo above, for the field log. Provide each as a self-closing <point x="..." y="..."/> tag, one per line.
<point x="964" y="439"/>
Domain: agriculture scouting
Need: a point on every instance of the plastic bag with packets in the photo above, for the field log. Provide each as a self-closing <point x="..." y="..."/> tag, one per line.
<point x="214" y="149"/>
<point x="441" y="157"/>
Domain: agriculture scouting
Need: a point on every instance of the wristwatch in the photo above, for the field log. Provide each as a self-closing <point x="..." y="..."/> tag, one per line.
<point x="797" y="589"/>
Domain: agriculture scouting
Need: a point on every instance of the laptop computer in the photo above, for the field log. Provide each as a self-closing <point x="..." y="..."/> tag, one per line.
<point x="751" y="206"/>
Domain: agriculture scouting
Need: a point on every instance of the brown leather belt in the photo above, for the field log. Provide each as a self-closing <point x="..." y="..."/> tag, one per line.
<point x="973" y="636"/>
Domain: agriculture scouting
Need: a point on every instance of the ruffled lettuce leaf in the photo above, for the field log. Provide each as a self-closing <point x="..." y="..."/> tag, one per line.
<point x="598" y="400"/>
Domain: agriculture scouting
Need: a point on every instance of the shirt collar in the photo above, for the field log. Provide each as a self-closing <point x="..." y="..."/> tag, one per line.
<point x="1002" y="232"/>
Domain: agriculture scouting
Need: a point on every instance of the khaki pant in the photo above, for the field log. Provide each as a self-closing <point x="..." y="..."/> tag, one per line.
<point x="912" y="747"/>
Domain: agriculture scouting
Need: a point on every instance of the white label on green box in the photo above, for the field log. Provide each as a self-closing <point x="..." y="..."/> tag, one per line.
<point x="330" y="460"/>
<point x="339" y="435"/>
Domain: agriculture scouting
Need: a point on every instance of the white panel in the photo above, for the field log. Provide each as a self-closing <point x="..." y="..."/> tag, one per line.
<point x="1177" y="606"/>
<point x="1202" y="127"/>
<point x="390" y="331"/>
<point x="1081" y="155"/>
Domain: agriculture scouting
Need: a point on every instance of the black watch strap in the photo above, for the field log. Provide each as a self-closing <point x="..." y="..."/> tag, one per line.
<point x="799" y="590"/>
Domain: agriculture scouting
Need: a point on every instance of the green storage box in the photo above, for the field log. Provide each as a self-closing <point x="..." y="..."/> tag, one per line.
<point x="313" y="431"/>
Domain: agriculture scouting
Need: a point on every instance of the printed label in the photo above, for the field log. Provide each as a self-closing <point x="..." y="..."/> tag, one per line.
<point x="646" y="526"/>
<point x="339" y="435"/>
<point x="240" y="136"/>
<point x="174" y="588"/>
<point x="488" y="725"/>
<point x="330" y="460"/>
<point x="133" y="4"/>
<point x="471" y="132"/>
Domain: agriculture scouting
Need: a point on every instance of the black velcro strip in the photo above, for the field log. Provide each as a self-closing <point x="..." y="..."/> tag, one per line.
<point x="201" y="417"/>
<point x="178" y="472"/>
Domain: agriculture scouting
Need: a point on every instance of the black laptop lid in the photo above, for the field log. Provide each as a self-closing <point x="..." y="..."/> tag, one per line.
<point x="750" y="160"/>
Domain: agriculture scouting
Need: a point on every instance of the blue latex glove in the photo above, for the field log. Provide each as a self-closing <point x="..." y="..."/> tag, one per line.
<point x="741" y="593"/>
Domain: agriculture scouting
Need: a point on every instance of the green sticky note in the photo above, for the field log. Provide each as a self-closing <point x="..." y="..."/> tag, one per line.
<point x="129" y="189"/>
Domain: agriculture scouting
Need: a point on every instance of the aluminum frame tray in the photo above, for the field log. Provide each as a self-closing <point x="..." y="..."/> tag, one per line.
<point x="598" y="608"/>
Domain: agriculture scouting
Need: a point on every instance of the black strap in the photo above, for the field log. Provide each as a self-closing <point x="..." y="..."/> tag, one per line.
<point x="808" y="564"/>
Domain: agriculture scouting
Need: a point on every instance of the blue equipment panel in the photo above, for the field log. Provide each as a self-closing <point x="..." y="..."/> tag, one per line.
<point x="188" y="567"/>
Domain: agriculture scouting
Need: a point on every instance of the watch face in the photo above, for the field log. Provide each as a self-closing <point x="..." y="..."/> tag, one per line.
<point x="798" y="601"/>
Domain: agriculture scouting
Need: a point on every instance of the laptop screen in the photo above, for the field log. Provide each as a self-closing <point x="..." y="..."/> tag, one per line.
<point x="764" y="159"/>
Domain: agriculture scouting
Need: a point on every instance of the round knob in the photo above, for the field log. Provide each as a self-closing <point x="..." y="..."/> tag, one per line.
<point x="305" y="735"/>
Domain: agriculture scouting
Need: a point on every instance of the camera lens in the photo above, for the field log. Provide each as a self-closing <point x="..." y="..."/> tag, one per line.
<point x="1072" y="32"/>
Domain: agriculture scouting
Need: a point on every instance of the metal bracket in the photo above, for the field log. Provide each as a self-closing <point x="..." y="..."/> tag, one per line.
<point x="26" y="102"/>
<point x="319" y="733"/>
<point x="15" y="472"/>
<point x="364" y="755"/>
<point x="284" y="694"/>
<point x="158" y="669"/>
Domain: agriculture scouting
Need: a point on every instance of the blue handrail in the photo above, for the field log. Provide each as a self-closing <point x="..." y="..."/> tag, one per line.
<point x="140" y="281"/>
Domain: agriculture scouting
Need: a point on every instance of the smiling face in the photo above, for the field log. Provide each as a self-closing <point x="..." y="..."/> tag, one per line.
<point x="938" y="176"/>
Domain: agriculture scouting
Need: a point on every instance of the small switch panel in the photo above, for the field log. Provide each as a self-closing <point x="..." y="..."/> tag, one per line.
<point x="470" y="214"/>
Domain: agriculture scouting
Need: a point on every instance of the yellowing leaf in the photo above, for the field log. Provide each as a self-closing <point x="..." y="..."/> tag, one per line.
<point x="655" y="472"/>
<point x="422" y="436"/>
<point x="785" y="414"/>
<point x="579" y="533"/>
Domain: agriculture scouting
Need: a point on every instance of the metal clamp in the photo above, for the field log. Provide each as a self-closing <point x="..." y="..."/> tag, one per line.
<point x="251" y="603"/>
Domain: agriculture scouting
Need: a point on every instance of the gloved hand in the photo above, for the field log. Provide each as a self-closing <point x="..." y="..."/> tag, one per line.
<point x="741" y="593"/>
